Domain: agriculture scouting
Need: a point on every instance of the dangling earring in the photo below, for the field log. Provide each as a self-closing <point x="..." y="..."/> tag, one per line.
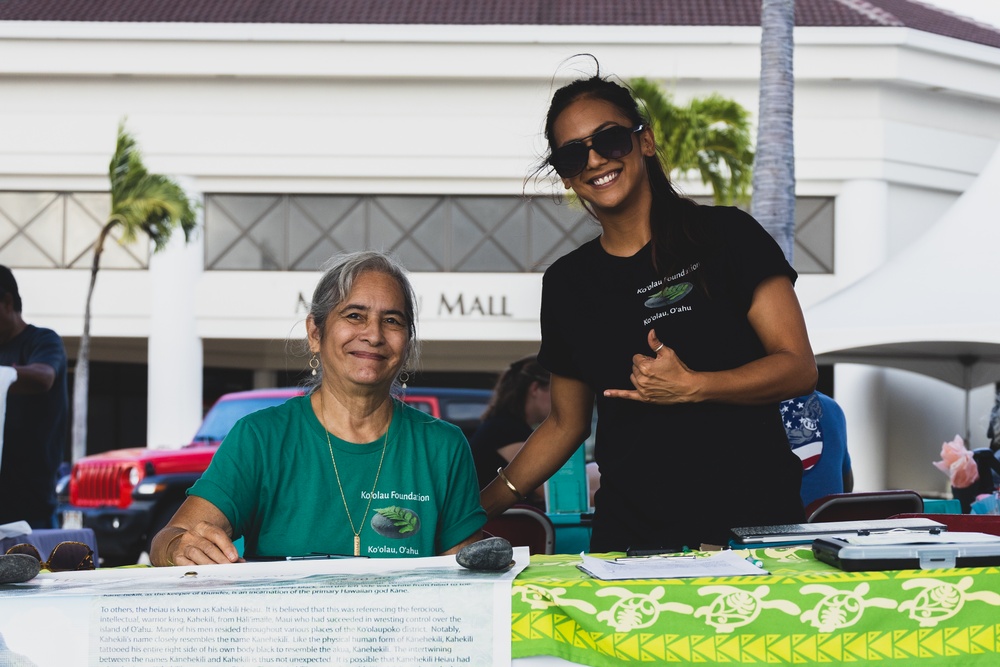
<point x="314" y="365"/>
<point x="404" y="377"/>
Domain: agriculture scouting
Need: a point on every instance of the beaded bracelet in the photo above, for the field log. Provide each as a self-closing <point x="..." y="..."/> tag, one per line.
<point x="509" y="484"/>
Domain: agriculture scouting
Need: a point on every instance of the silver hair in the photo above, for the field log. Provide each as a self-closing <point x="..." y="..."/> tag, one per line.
<point x="339" y="275"/>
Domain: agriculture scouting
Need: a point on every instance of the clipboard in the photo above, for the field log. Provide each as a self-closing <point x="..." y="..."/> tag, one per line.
<point x="908" y="551"/>
<point x="804" y="533"/>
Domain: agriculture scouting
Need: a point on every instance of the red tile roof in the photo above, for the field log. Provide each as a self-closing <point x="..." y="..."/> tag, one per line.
<point x="833" y="13"/>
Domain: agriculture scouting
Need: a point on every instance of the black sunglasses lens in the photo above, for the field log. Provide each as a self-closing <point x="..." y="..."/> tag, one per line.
<point x="569" y="160"/>
<point x="69" y="556"/>
<point x="26" y="549"/>
<point x="613" y="143"/>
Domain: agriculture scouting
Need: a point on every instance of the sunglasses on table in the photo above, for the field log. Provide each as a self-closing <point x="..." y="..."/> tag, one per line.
<point x="65" y="557"/>
<point x="611" y="143"/>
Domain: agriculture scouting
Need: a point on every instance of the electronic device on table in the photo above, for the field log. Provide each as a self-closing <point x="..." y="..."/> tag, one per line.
<point x="805" y="533"/>
<point x="908" y="550"/>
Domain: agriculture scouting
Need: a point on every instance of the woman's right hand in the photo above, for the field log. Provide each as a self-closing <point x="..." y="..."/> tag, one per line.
<point x="203" y="545"/>
<point x="199" y="534"/>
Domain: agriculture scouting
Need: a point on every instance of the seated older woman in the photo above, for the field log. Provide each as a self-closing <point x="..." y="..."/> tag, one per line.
<point x="345" y="469"/>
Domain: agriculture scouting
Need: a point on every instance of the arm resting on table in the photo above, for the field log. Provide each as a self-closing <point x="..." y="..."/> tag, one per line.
<point x="199" y="534"/>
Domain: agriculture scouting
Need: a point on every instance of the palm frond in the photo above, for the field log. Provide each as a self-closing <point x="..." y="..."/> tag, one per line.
<point x="125" y="158"/>
<point x="711" y="135"/>
<point x="147" y="203"/>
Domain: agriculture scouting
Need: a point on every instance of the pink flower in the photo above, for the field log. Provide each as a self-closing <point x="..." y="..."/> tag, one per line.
<point x="957" y="462"/>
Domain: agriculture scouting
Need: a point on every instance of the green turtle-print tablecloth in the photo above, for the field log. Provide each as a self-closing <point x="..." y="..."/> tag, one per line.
<point x="804" y="612"/>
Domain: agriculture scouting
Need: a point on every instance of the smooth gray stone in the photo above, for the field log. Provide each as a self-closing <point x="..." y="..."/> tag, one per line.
<point x="15" y="568"/>
<point x="493" y="554"/>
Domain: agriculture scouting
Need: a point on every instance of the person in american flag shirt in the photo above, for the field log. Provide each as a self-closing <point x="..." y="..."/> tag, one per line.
<point x="817" y="433"/>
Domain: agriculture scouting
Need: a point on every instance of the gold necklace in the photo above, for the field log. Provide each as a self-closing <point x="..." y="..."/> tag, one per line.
<point x="356" y="531"/>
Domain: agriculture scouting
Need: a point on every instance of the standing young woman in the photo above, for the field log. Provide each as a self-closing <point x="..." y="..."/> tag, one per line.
<point x="682" y="321"/>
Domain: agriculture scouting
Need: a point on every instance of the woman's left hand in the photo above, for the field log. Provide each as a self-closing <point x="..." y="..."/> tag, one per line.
<point x="787" y="368"/>
<point x="662" y="378"/>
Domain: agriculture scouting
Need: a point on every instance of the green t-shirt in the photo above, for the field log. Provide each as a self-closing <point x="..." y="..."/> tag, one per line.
<point x="274" y="480"/>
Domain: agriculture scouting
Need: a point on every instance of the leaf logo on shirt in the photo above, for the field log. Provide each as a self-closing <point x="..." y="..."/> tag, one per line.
<point x="669" y="295"/>
<point x="395" y="522"/>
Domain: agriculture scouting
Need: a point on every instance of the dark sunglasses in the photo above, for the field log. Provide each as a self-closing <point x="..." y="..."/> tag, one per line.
<point x="612" y="143"/>
<point x="65" y="557"/>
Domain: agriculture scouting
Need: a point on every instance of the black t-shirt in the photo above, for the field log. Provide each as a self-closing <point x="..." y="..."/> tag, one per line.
<point x="34" y="432"/>
<point x="678" y="474"/>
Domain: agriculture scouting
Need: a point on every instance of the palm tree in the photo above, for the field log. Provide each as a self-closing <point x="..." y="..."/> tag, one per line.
<point x="711" y="135"/>
<point x="774" y="170"/>
<point x="141" y="203"/>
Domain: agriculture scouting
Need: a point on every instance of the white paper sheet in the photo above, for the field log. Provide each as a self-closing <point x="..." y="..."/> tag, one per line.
<point x="403" y="612"/>
<point x="727" y="563"/>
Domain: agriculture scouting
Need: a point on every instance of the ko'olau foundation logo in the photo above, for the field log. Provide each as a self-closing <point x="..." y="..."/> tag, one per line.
<point x="395" y="522"/>
<point x="669" y="295"/>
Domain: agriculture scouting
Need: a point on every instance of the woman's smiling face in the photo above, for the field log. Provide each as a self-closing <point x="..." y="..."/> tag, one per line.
<point x="366" y="335"/>
<point x="607" y="184"/>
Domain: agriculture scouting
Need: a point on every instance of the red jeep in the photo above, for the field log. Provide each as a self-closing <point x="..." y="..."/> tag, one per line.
<point x="127" y="495"/>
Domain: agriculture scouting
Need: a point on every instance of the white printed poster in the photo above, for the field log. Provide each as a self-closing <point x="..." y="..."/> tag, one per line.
<point x="351" y="612"/>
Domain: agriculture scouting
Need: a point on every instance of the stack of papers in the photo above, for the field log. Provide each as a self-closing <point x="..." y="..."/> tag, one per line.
<point x="719" y="564"/>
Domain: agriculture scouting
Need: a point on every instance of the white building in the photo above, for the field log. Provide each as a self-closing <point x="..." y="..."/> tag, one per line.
<point x="345" y="126"/>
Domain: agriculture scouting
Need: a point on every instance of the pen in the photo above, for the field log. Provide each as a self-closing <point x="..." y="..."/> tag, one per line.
<point x="755" y="561"/>
<point x="321" y="557"/>
<point x="657" y="557"/>
<point x="639" y="553"/>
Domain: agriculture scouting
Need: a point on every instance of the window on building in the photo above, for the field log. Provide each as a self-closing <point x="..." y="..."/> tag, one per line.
<point x="300" y="232"/>
<point x="432" y="233"/>
<point x="56" y="230"/>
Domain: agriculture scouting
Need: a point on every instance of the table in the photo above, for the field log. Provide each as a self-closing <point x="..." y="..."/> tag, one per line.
<point x="805" y="612"/>
<point x="45" y="539"/>
<point x="802" y="613"/>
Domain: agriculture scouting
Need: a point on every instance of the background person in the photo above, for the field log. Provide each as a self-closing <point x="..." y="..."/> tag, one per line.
<point x="34" y="430"/>
<point x="984" y="455"/>
<point x="987" y="461"/>
<point x="817" y="432"/>
<point x="345" y="469"/>
<point x="993" y="428"/>
<point x="683" y="322"/>
<point x="520" y="403"/>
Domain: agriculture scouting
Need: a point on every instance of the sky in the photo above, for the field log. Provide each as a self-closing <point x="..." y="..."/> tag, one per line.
<point x="984" y="11"/>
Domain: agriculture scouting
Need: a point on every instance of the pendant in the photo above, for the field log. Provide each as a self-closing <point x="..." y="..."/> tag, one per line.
<point x="357" y="545"/>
